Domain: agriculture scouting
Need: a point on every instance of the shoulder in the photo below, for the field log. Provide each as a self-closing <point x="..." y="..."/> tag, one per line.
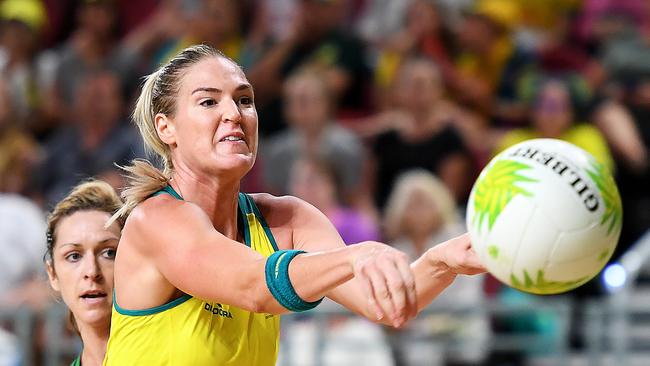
<point x="587" y="130"/>
<point x="337" y="133"/>
<point x="269" y="204"/>
<point x="513" y="137"/>
<point x="283" y="210"/>
<point x="162" y="218"/>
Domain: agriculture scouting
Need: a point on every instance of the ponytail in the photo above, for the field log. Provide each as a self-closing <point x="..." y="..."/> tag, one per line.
<point x="143" y="180"/>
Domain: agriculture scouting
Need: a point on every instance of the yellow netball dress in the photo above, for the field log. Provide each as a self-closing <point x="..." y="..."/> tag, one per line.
<point x="192" y="331"/>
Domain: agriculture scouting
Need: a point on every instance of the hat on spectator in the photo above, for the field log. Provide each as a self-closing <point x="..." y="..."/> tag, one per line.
<point x="28" y="12"/>
<point x="503" y="13"/>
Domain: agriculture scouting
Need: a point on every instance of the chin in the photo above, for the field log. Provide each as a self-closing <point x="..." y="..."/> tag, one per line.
<point x="94" y="317"/>
<point x="238" y="163"/>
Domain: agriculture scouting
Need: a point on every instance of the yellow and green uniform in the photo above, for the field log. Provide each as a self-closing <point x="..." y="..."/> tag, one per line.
<point x="77" y="361"/>
<point x="193" y="331"/>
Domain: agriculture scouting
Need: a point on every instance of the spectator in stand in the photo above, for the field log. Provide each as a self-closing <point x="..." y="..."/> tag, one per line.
<point x="422" y="35"/>
<point x="420" y="212"/>
<point x="19" y="152"/>
<point x="96" y="139"/>
<point x="560" y="52"/>
<point x="92" y="47"/>
<point x="216" y="23"/>
<point x="22" y="224"/>
<point x="316" y="41"/>
<point x="490" y="64"/>
<point x="634" y="176"/>
<point x="309" y="106"/>
<point x="20" y="24"/>
<point x="315" y="181"/>
<point x="421" y="132"/>
<point x="555" y="113"/>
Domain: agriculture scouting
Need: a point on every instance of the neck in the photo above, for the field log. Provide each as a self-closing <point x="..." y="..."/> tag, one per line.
<point x="217" y="198"/>
<point x="94" y="340"/>
<point x="313" y="133"/>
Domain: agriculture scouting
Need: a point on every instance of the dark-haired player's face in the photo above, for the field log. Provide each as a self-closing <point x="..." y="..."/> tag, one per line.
<point x="82" y="269"/>
<point x="215" y="124"/>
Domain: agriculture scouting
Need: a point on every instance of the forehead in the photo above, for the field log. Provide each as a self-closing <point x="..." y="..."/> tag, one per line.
<point x="554" y="89"/>
<point x="305" y="85"/>
<point x="216" y="72"/>
<point x="86" y="227"/>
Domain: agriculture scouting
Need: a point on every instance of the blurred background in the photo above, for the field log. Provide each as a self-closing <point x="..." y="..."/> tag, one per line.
<point x="381" y="113"/>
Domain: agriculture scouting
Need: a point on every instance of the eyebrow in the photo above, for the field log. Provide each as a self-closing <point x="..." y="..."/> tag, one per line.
<point x="104" y="241"/>
<point x="216" y="90"/>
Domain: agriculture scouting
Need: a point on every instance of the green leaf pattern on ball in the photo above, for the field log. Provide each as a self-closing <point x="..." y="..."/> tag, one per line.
<point x="609" y="192"/>
<point x="495" y="190"/>
<point x="493" y="251"/>
<point x="541" y="286"/>
<point x="603" y="255"/>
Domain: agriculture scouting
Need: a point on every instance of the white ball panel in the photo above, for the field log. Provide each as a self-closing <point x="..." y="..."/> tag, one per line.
<point x="585" y="267"/>
<point x="506" y="235"/>
<point x="534" y="247"/>
<point x="574" y="245"/>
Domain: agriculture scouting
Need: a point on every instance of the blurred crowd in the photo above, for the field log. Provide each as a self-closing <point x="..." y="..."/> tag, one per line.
<point x="381" y="113"/>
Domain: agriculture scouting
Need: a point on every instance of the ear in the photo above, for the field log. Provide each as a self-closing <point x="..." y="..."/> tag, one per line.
<point x="165" y="128"/>
<point x="51" y="275"/>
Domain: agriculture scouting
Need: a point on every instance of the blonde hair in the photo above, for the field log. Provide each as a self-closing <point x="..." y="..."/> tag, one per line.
<point x="158" y="95"/>
<point x="90" y="195"/>
<point x="408" y="183"/>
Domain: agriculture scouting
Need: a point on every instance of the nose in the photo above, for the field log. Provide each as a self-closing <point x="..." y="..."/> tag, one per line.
<point x="91" y="269"/>
<point x="231" y="111"/>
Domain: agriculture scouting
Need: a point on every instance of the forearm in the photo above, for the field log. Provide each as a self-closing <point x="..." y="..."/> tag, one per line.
<point x="312" y="276"/>
<point x="432" y="276"/>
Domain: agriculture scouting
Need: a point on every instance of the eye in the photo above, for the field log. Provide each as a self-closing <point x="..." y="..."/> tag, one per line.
<point x="246" y="100"/>
<point x="109" y="253"/>
<point x="73" y="257"/>
<point x="208" y="102"/>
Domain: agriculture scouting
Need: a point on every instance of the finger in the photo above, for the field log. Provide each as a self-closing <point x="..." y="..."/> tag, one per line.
<point x="472" y="263"/>
<point x="409" y="281"/>
<point x="366" y="288"/>
<point x="397" y="290"/>
<point x="380" y="290"/>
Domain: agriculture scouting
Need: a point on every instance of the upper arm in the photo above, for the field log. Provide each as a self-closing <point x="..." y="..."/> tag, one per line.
<point x="311" y="229"/>
<point x="194" y="257"/>
<point x="298" y="223"/>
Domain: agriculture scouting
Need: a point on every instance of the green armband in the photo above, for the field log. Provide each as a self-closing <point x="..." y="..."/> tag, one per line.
<point x="279" y="284"/>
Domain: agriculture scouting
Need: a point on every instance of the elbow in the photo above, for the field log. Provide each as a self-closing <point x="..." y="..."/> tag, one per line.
<point x="260" y="300"/>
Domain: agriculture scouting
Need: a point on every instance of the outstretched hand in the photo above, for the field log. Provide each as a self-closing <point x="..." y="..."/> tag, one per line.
<point x="387" y="281"/>
<point x="457" y="254"/>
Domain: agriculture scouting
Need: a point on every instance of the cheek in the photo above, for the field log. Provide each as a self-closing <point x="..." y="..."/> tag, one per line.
<point x="106" y="267"/>
<point x="67" y="279"/>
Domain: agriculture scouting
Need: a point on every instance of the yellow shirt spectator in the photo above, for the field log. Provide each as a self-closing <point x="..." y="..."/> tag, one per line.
<point x="585" y="136"/>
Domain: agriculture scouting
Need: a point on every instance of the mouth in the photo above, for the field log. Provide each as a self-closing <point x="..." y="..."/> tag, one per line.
<point x="233" y="137"/>
<point x="95" y="294"/>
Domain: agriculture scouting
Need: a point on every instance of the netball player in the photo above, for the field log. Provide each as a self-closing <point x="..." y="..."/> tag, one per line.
<point x="79" y="261"/>
<point x="204" y="270"/>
